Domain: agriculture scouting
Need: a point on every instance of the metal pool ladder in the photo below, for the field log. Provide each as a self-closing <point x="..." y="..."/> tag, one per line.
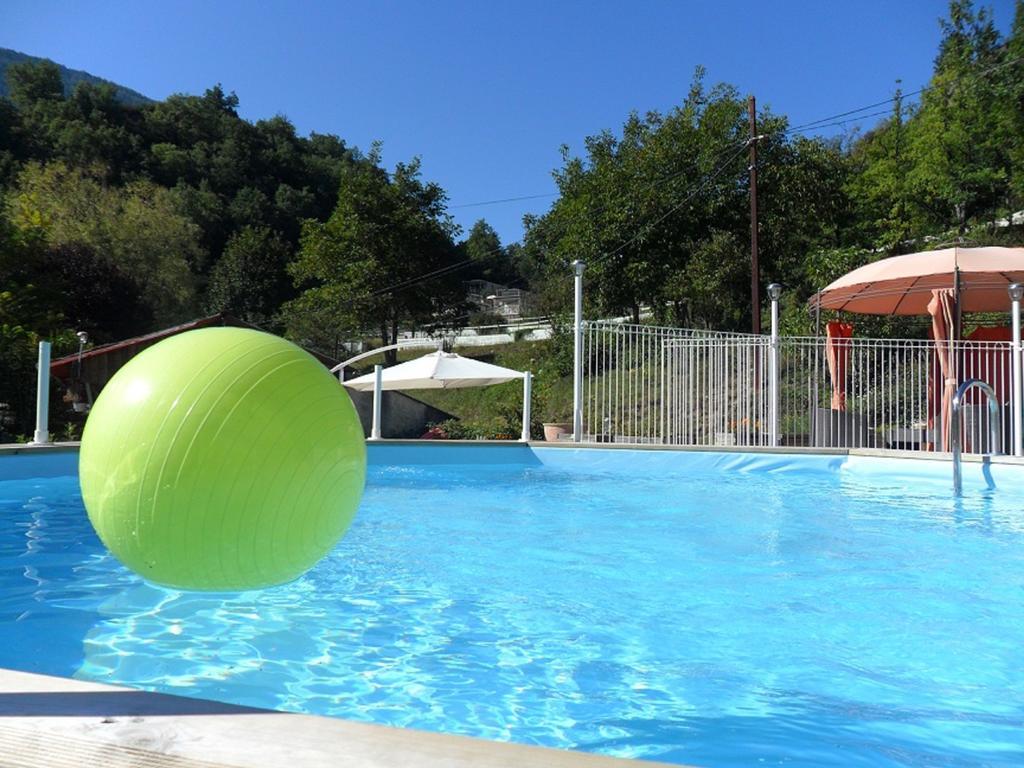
<point x="994" y="426"/>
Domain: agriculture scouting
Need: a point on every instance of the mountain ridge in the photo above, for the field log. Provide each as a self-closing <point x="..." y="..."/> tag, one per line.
<point x="70" y="78"/>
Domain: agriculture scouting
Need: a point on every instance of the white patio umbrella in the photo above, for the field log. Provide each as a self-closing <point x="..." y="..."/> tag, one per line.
<point x="440" y="370"/>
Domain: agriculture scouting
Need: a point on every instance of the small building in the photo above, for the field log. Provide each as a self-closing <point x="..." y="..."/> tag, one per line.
<point x="510" y="303"/>
<point x="84" y="375"/>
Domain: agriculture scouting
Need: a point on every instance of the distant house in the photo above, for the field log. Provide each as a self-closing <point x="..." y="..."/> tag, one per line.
<point x="1013" y="220"/>
<point x="510" y="303"/>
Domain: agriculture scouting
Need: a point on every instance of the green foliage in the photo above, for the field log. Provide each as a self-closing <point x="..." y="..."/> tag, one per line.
<point x="116" y="214"/>
<point x="1012" y="112"/>
<point x="70" y="78"/>
<point x="30" y="84"/>
<point x="495" y="428"/>
<point x="387" y="230"/>
<point x="135" y="231"/>
<point x="954" y="161"/>
<point x="493" y="411"/>
<point x="958" y="149"/>
<point x="659" y="218"/>
<point x="490" y="260"/>
<point x="119" y="216"/>
<point x="250" y="279"/>
<point x="656" y="227"/>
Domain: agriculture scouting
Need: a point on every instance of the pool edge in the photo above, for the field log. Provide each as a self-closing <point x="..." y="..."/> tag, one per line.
<point x="47" y="720"/>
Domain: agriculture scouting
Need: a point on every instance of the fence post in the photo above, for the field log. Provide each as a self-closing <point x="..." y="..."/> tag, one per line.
<point x="774" y="292"/>
<point x="577" y="353"/>
<point x="378" y="380"/>
<point x="1016" y="291"/>
<point x="42" y="435"/>
<point x="527" y="385"/>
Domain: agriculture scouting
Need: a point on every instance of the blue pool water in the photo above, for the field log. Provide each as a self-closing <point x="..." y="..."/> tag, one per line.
<point x="684" y="607"/>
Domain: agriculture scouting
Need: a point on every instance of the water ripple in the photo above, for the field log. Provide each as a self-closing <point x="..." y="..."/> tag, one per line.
<point x="724" y="619"/>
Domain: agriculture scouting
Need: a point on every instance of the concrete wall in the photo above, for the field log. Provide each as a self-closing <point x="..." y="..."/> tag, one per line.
<point x="401" y="416"/>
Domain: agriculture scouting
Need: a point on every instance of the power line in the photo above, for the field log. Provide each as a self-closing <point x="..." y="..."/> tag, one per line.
<point x="890" y="100"/>
<point x="841" y="123"/>
<point x="504" y="200"/>
<point x="693" y="193"/>
<point x="824" y="122"/>
<point x="457" y="266"/>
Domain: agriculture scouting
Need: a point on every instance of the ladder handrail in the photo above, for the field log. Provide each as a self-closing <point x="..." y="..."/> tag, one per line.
<point x="995" y="425"/>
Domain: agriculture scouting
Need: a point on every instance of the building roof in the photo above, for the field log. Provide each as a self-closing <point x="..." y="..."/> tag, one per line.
<point x="62" y="367"/>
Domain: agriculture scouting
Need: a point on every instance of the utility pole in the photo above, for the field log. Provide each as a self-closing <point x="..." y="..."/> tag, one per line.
<point x="755" y="292"/>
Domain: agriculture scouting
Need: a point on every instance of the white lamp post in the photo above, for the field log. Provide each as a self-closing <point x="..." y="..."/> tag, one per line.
<point x="1016" y="291"/>
<point x="774" y="292"/>
<point x="378" y="385"/>
<point x="527" y="386"/>
<point x="577" y="353"/>
<point x="42" y="435"/>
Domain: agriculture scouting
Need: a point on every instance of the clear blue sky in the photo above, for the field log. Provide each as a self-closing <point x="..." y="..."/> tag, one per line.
<point x="485" y="91"/>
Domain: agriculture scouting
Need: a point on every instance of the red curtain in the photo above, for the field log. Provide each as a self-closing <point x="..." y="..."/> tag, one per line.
<point x="991" y="364"/>
<point x="941" y="310"/>
<point x="837" y="350"/>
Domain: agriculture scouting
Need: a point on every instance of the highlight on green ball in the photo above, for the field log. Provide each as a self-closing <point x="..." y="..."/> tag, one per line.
<point x="222" y="459"/>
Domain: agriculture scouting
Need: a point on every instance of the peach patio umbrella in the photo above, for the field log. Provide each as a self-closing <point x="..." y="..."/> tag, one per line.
<point x="903" y="285"/>
<point x="943" y="283"/>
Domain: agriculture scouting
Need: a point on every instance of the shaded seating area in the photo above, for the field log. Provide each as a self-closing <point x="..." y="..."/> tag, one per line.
<point x="437" y="370"/>
<point x="943" y="285"/>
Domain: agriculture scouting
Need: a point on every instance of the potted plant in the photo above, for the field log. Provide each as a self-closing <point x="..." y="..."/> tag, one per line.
<point x="556" y="430"/>
<point x="556" y="417"/>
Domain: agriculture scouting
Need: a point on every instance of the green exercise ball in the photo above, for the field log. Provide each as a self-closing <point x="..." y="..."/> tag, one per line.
<point x="222" y="459"/>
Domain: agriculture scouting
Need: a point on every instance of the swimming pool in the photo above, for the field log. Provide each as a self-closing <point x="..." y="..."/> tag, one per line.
<point x="707" y="608"/>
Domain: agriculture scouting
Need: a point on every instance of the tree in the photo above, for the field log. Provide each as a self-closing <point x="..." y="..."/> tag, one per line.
<point x="660" y="213"/>
<point x="888" y="214"/>
<point x="960" y="160"/>
<point x="367" y="261"/>
<point x="490" y="260"/>
<point x="31" y="84"/>
<point x="1013" y="112"/>
<point x="250" y="279"/>
<point x="92" y="294"/>
<point x="135" y="230"/>
<point x="28" y="313"/>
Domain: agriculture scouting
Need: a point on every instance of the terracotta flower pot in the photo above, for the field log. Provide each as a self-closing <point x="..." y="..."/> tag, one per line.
<point x="555" y="431"/>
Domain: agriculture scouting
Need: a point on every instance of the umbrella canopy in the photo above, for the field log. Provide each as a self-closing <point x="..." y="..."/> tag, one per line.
<point x="439" y="370"/>
<point x="903" y="285"/>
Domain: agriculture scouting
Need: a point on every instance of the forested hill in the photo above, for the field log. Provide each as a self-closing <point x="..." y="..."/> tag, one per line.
<point x="70" y="78"/>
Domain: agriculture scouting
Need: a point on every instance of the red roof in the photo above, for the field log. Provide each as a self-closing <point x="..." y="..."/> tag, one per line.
<point x="61" y="367"/>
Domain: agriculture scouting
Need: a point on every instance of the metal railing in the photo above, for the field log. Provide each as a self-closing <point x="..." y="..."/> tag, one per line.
<point x="994" y="424"/>
<point x="645" y="384"/>
<point x="633" y="381"/>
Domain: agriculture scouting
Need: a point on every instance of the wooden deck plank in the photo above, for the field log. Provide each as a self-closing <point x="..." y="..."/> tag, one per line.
<point x="53" y="722"/>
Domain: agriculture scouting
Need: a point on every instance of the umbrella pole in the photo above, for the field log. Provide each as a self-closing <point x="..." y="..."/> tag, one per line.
<point x="957" y="309"/>
<point x="958" y="328"/>
<point x="817" y="367"/>
<point x="378" y="372"/>
<point x="527" y="382"/>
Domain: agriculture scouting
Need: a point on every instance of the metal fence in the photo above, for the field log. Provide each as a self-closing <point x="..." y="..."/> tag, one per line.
<point x="627" y="377"/>
<point x="644" y="384"/>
